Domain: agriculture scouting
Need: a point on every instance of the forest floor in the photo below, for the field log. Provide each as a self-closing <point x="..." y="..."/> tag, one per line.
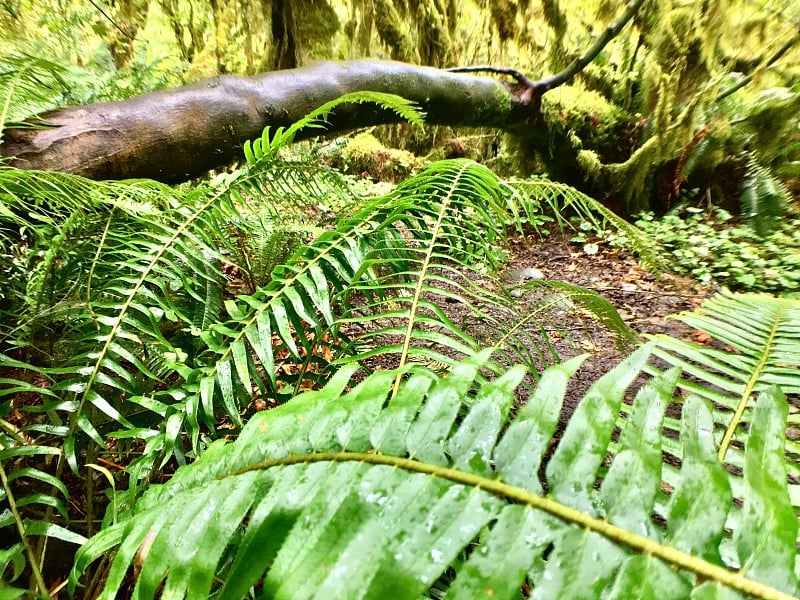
<point x="645" y="301"/>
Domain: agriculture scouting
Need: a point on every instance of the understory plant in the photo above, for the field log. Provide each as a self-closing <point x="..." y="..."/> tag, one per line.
<point x="409" y="484"/>
<point x="709" y="246"/>
<point x="713" y="247"/>
<point x="141" y="323"/>
<point x="409" y="450"/>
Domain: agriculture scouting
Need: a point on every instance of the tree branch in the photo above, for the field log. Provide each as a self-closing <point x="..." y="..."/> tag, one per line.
<point x="178" y="134"/>
<point x="517" y="75"/>
<point x="577" y="65"/>
<point x="769" y="62"/>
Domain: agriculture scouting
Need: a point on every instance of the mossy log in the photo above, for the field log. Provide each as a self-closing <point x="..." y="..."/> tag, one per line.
<point x="177" y="134"/>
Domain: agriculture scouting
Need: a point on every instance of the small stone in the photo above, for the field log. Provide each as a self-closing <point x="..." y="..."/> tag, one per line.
<point x="523" y="275"/>
<point x="628" y="287"/>
<point x="516" y="293"/>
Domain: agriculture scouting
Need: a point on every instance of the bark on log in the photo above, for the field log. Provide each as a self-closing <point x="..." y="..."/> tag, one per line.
<point x="177" y="134"/>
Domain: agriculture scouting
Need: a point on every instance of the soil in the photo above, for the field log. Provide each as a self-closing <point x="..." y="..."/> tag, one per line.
<point x="643" y="299"/>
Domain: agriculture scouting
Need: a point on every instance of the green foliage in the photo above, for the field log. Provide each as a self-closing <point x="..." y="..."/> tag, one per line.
<point x="380" y="490"/>
<point x="761" y="339"/>
<point x="764" y="123"/>
<point x="568" y="205"/>
<point x="708" y="246"/>
<point x="121" y="330"/>
<point x="121" y="338"/>
<point x="764" y="199"/>
<point x="30" y="85"/>
<point x="754" y="138"/>
<point x="270" y="143"/>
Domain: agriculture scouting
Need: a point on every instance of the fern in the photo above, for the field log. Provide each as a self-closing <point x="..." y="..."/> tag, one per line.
<point x="166" y="279"/>
<point x="386" y="270"/>
<point x="30" y="85"/>
<point x="529" y="196"/>
<point x="762" y="344"/>
<point x="145" y="351"/>
<point x="365" y="493"/>
<point x="271" y="142"/>
<point x="764" y="199"/>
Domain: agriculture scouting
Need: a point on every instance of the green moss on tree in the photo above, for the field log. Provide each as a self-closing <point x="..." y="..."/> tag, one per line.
<point x="364" y="155"/>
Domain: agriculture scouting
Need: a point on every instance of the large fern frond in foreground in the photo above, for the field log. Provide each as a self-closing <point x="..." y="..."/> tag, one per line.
<point x="369" y="494"/>
<point x="755" y="344"/>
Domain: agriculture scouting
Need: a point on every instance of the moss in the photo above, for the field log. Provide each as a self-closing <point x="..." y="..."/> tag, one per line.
<point x="434" y="40"/>
<point x="575" y="104"/>
<point x="684" y="47"/>
<point x="590" y="163"/>
<point x="503" y="98"/>
<point x="587" y="119"/>
<point x="315" y="23"/>
<point x="364" y="155"/>
<point x="504" y="16"/>
<point x="390" y="29"/>
<point x="629" y="178"/>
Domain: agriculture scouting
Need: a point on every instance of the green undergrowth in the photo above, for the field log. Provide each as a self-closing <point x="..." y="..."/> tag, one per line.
<point x="715" y="248"/>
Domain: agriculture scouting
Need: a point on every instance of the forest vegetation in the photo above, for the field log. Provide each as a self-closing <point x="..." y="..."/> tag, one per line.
<point x="261" y="331"/>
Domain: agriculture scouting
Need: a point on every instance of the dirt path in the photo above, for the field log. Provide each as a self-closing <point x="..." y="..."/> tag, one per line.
<point x="643" y="300"/>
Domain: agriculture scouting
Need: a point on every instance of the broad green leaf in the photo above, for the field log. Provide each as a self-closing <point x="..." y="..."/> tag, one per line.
<point x="518" y="455"/>
<point x="583" y="446"/>
<point x="699" y="506"/>
<point x="767" y="528"/>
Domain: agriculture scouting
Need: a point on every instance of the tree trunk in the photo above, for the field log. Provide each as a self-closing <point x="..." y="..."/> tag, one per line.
<point x="177" y="134"/>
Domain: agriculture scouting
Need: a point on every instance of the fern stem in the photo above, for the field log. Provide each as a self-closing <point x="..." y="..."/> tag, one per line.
<point x="90" y="458"/>
<point x="37" y="573"/>
<point x="101" y="244"/>
<point x="639" y="543"/>
<point x="13" y="431"/>
<point x="412" y="311"/>
<point x="755" y="376"/>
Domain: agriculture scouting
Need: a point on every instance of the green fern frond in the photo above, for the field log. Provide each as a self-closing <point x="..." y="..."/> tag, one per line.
<point x="152" y="288"/>
<point x="50" y="224"/>
<point x="449" y="211"/>
<point x="439" y="237"/>
<point x="128" y="278"/>
<point x="365" y="493"/>
<point x="760" y="344"/>
<point x="271" y="141"/>
<point x="43" y="492"/>
<point x="12" y="566"/>
<point x="29" y="86"/>
<point x="283" y="190"/>
<point x="589" y="300"/>
<point x="529" y="195"/>
<point x="765" y="199"/>
<point x="762" y="339"/>
<point x="375" y="287"/>
<point x="146" y="287"/>
<point x="135" y="264"/>
<point x="144" y="293"/>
